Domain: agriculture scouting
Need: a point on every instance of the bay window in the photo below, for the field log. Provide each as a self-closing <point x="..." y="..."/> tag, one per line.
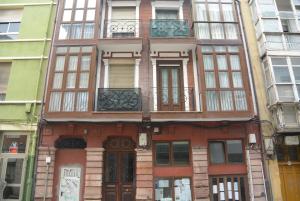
<point x="224" y="85"/>
<point x="71" y="78"/>
<point x="78" y="20"/>
<point x="216" y="20"/>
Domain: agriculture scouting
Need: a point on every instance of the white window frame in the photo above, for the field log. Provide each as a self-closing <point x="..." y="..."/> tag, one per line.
<point x="10" y="33"/>
<point x="5" y="156"/>
<point x="167" y="5"/>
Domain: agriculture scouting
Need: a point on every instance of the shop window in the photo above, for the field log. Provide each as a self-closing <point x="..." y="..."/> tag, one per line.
<point x="12" y="163"/>
<point x="172" y="153"/>
<point x="228" y="188"/>
<point x="229" y="151"/>
<point x="169" y="189"/>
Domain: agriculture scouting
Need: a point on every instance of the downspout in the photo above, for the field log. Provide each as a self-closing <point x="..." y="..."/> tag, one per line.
<point x="265" y="170"/>
<point x="37" y="137"/>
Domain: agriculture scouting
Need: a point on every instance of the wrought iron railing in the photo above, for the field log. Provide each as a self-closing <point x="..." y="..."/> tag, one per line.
<point x="120" y="28"/>
<point x="169" y="28"/>
<point x="173" y="99"/>
<point x="205" y="30"/>
<point x="119" y="99"/>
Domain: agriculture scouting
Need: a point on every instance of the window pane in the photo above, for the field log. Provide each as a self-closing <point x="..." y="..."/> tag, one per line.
<point x="216" y="152"/>
<point x="69" y="99"/>
<point x="214" y="12"/>
<point x="111" y="167"/>
<point x="76" y="31"/>
<point x="181" y="152"/>
<point x="235" y="62"/>
<point x="78" y="15"/>
<point x="201" y="12"/>
<point x="67" y="15"/>
<point x="297" y="74"/>
<point x="73" y="60"/>
<point x="91" y="3"/>
<point x="222" y="63"/>
<point x="212" y="102"/>
<point x="182" y="189"/>
<point x="68" y="3"/>
<point x="163" y="190"/>
<point x="55" y="101"/>
<point x="210" y="80"/>
<point x="226" y="100"/>
<point x="71" y="80"/>
<point x="270" y="25"/>
<point x="82" y="101"/>
<point x="217" y="31"/>
<point x="14" y="27"/>
<point x="208" y="62"/>
<point x="85" y="63"/>
<point x="231" y="31"/>
<point x="227" y="12"/>
<point x="60" y="62"/>
<point x="237" y="80"/>
<point x="57" y="81"/>
<point x="64" y="32"/>
<point x="84" y="80"/>
<point x="162" y="153"/>
<point x="224" y="80"/>
<point x="285" y="92"/>
<point x="4" y="76"/>
<point x="14" y="171"/>
<point x="290" y="114"/>
<point x="11" y="192"/>
<point x="88" y="31"/>
<point x="128" y="167"/>
<point x="3" y="27"/>
<point x="90" y="15"/>
<point x="282" y="74"/>
<point x="240" y="100"/>
<point x="279" y="61"/>
<point x="234" y="151"/>
<point x="14" y="144"/>
<point x="80" y="3"/>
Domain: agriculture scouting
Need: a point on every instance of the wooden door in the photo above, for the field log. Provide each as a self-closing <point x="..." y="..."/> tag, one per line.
<point x="170" y="88"/>
<point x="290" y="182"/>
<point x="119" y="174"/>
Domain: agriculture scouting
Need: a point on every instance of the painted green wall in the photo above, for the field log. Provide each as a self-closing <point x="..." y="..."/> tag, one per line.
<point x="29" y="57"/>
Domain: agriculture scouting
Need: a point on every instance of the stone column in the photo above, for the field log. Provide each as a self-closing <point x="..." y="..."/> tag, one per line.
<point x="93" y="174"/>
<point x="255" y="175"/>
<point x="44" y="174"/>
<point x="200" y="174"/>
<point x="144" y="176"/>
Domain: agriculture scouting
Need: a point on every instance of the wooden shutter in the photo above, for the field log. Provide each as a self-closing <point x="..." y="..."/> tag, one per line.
<point x="121" y="76"/>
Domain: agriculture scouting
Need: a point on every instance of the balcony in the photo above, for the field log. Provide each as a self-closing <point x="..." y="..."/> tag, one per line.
<point x="121" y="36"/>
<point x="281" y="41"/>
<point x="169" y="28"/>
<point x="171" y="35"/>
<point x="116" y="99"/>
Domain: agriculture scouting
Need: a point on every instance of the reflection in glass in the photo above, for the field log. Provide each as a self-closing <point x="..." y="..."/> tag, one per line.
<point x="128" y="167"/>
<point x="111" y="167"/>
<point x="181" y="152"/>
<point x="216" y="152"/>
<point x="162" y="153"/>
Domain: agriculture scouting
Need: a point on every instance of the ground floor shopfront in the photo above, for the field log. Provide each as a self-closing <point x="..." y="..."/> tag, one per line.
<point x="177" y="161"/>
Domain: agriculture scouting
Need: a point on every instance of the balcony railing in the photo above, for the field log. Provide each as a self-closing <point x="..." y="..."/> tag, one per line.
<point x="120" y="28"/>
<point x="173" y="99"/>
<point x="282" y="41"/>
<point x="169" y="28"/>
<point x="205" y="30"/>
<point x="119" y="99"/>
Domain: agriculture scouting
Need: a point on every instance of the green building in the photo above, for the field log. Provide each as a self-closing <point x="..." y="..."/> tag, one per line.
<point x="26" y="27"/>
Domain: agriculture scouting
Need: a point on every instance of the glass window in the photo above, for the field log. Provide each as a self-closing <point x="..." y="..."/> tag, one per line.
<point x="216" y="152"/>
<point x="69" y="3"/>
<point x="162" y="153"/>
<point x="168" y="189"/>
<point x="271" y="25"/>
<point x="181" y="152"/>
<point x="234" y="151"/>
<point x="14" y="144"/>
<point x="282" y="74"/>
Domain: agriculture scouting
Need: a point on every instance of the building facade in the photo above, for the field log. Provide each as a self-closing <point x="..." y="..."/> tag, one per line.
<point x="149" y="100"/>
<point x="277" y="81"/>
<point x="24" y="48"/>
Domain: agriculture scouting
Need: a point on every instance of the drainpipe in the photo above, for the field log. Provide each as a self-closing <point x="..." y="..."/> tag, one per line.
<point x="264" y="166"/>
<point x="37" y="137"/>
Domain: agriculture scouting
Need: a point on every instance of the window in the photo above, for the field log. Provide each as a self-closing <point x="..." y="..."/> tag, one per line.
<point x="78" y="20"/>
<point x="229" y="151"/>
<point x="4" y="75"/>
<point x="228" y="188"/>
<point x="121" y="75"/>
<point x="287" y="153"/>
<point x="71" y="78"/>
<point x="10" y="24"/>
<point x="173" y="189"/>
<point x="172" y="153"/>
<point x="216" y="20"/>
<point x="12" y="159"/>
<point x="166" y="14"/>
<point x="223" y="79"/>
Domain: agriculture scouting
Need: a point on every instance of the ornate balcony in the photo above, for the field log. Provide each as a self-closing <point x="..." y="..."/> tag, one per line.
<point x="169" y="28"/>
<point x="119" y="99"/>
<point x="120" y="28"/>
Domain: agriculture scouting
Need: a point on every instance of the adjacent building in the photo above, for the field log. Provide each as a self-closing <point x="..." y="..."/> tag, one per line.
<point x="25" y="37"/>
<point x="276" y="67"/>
<point x="149" y="100"/>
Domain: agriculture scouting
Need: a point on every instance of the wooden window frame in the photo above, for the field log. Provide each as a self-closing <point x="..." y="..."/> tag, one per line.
<point x="225" y="148"/>
<point x="171" y="157"/>
<point x="90" y="89"/>
<point x="243" y="71"/>
<point x="239" y="176"/>
<point x="285" y="150"/>
<point x="172" y="179"/>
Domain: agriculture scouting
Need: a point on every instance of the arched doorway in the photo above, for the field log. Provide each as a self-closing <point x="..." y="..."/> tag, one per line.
<point x="119" y="169"/>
